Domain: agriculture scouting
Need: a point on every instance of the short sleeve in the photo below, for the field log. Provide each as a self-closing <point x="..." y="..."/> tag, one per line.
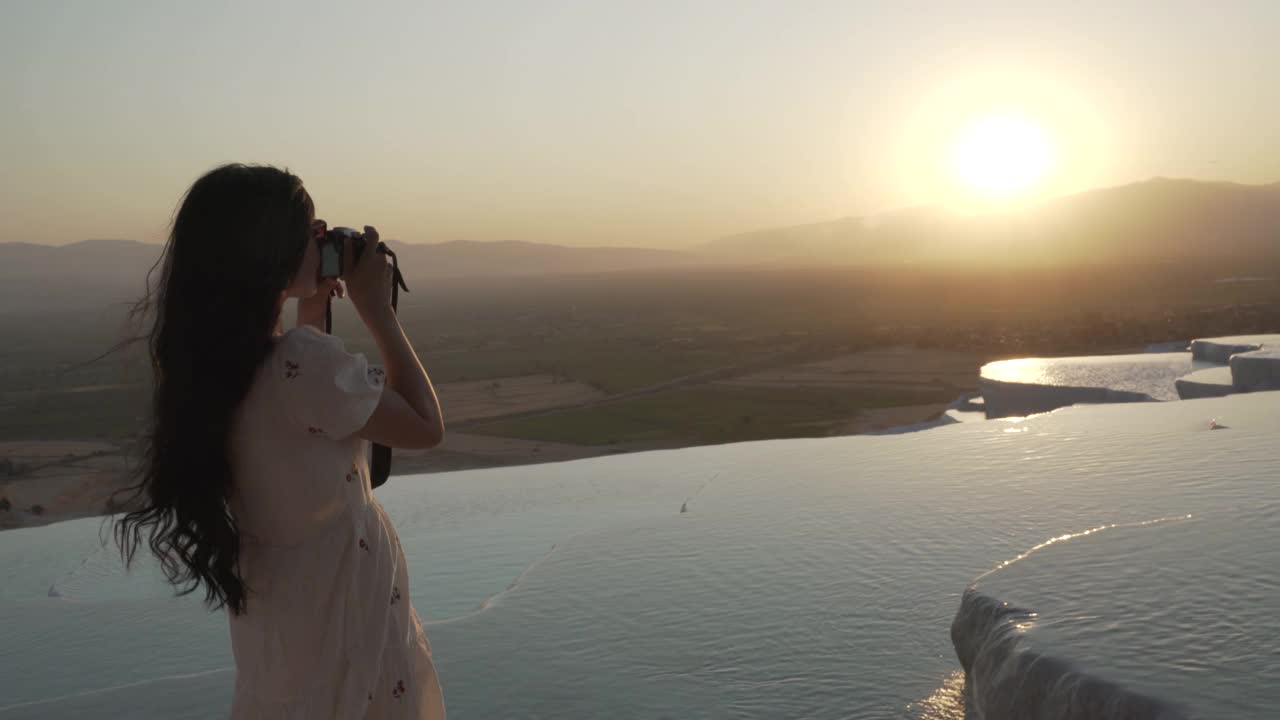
<point x="330" y="392"/>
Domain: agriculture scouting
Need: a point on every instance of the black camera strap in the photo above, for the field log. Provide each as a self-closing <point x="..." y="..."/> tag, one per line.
<point x="380" y="455"/>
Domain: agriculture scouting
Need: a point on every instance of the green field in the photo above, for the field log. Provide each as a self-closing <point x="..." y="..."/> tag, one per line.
<point x="99" y="402"/>
<point x="610" y="367"/>
<point x="705" y="415"/>
<point x="44" y="396"/>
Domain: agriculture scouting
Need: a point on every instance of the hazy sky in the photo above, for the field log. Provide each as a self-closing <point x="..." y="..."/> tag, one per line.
<point x="649" y="123"/>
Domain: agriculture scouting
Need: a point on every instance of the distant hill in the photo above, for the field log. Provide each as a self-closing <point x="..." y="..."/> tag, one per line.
<point x="1182" y="222"/>
<point x="1158" y="220"/>
<point x="75" y="276"/>
<point x="86" y="259"/>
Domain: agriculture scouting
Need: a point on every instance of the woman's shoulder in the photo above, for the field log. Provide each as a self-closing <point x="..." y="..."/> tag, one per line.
<point x="306" y="340"/>
<point x="330" y="391"/>
<point x="305" y="346"/>
<point x="306" y="337"/>
<point x="317" y="350"/>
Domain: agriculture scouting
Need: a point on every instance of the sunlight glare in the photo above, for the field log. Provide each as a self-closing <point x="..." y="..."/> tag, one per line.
<point x="1001" y="155"/>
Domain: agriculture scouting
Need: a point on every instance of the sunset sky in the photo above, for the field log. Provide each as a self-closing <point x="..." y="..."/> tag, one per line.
<point x="608" y="123"/>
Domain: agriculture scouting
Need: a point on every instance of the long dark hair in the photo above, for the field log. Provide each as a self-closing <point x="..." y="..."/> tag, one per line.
<point x="238" y="239"/>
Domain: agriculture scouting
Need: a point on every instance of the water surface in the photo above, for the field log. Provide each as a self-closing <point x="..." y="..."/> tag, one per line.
<point x="809" y="578"/>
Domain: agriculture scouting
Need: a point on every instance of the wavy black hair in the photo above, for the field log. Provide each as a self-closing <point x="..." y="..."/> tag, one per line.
<point x="237" y="241"/>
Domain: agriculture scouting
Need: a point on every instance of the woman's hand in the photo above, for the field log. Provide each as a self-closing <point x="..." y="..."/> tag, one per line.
<point x="369" y="282"/>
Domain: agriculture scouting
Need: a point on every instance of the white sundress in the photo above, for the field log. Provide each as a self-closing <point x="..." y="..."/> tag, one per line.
<point x="328" y="629"/>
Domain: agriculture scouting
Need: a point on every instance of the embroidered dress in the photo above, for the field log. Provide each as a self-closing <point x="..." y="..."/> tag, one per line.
<point x="328" y="629"/>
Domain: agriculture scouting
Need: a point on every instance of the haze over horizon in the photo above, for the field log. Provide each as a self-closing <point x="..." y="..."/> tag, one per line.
<point x="1156" y="189"/>
<point x="657" y="125"/>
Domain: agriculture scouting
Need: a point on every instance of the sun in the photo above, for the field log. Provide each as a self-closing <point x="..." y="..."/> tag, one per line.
<point x="1001" y="156"/>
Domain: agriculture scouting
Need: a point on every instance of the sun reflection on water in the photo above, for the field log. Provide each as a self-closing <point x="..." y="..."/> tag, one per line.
<point x="945" y="703"/>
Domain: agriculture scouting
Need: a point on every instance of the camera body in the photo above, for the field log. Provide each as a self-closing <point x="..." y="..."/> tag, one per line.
<point x="332" y="247"/>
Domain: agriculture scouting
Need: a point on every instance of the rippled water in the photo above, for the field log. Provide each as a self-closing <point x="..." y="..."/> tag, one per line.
<point x="1187" y="610"/>
<point x="809" y="578"/>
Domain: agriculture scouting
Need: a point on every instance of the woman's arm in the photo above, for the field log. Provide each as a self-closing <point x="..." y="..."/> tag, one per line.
<point x="409" y="413"/>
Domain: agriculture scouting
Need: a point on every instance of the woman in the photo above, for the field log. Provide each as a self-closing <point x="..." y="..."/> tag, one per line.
<point x="255" y="485"/>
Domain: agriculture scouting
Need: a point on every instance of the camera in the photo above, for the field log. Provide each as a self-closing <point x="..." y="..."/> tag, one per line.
<point x="332" y="243"/>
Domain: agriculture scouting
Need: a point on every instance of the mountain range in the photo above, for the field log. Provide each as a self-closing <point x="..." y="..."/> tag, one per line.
<point x="1159" y="221"/>
<point x="1156" y="221"/>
